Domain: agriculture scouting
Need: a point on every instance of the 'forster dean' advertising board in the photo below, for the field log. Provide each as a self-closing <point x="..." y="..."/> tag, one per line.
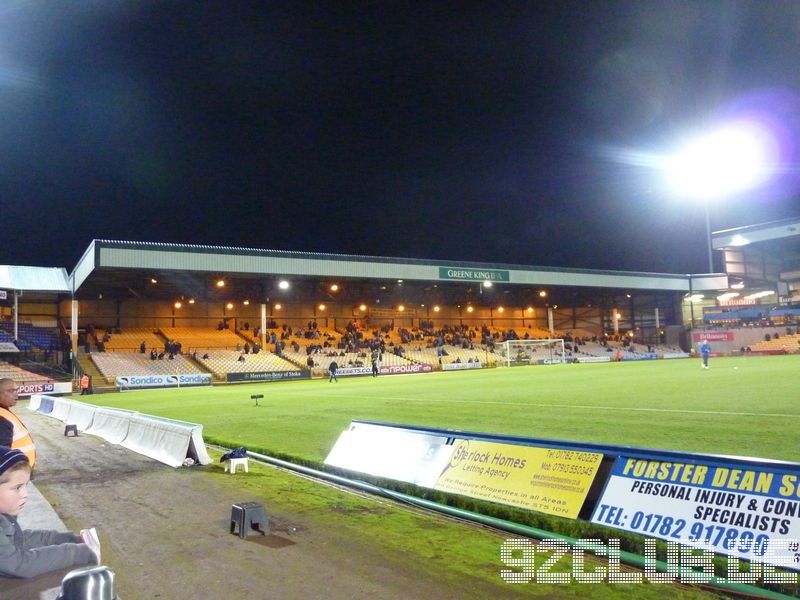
<point x="752" y="513"/>
<point x="547" y="480"/>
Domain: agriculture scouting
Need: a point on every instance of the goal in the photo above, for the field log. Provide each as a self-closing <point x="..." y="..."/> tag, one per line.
<point x="516" y="353"/>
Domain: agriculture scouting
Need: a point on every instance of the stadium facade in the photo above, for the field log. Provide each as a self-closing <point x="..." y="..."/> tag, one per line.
<point x="140" y="284"/>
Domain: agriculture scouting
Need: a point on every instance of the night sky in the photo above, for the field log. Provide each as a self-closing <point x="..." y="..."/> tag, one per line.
<point x="498" y="133"/>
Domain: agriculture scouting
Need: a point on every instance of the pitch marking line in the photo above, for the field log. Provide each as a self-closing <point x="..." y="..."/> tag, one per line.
<point x="585" y="407"/>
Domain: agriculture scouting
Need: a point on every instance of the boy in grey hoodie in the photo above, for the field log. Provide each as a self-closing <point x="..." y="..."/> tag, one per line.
<point x="31" y="552"/>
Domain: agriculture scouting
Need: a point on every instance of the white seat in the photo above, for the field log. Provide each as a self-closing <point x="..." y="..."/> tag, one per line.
<point x="232" y="463"/>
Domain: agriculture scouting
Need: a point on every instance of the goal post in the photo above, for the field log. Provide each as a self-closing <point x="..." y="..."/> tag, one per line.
<point x="517" y="353"/>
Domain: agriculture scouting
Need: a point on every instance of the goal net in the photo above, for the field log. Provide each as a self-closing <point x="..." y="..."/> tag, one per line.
<point x="516" y="353"/>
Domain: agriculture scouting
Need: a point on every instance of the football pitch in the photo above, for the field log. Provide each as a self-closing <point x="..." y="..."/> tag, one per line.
<point x="741" y="406"/>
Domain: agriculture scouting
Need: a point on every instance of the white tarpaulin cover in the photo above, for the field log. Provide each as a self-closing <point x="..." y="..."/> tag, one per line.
<point x="165" y="440"/>
<point x="110" y="424"/>
<point x="81" y="415"/>
<point x="60" y="408"/>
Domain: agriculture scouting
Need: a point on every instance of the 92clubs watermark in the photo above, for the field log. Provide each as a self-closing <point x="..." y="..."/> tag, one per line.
<point x="685" y="564"/>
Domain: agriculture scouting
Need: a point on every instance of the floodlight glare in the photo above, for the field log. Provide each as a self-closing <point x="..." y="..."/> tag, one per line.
<point x="284" y="285"/>
<point x="436" y="309"/>
<point x="221" y="283"/>
<point x="733" y="158"/>
<point x="362" y="308"/>
<point x="738" y="240"/>
<point x="500" y="309"/>
<point x="487" y="284"/>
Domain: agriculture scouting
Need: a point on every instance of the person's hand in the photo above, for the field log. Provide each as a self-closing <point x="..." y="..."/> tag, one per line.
<point x="90" y="538"/>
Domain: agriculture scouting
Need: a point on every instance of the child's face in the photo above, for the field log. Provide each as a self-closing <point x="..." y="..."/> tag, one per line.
<point x="14" y="492"/>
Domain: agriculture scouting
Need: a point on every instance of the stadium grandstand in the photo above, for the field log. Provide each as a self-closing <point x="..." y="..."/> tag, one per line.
<point x="138" y="309"/>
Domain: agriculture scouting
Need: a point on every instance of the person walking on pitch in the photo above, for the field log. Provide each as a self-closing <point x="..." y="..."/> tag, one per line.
<point x="705" y="352"/>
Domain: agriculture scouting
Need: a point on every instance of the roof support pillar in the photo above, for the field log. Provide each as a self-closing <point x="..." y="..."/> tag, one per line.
<point x="263" y="325"/>
<point x="73" y="329"/>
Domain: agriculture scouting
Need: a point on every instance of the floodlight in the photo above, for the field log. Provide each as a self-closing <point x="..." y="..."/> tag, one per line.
<point x="284" y="285"/>
<point x="487" y="284"/>
<point x="246" y="302"/>
<point x="221" y="283"/>
<point x="362" y="308"/>
<point x="401" y="308"/>
<point x="277" y="307"/>
<point x="334" y="288"/>
<point x="542" y="294"/>
<point x="178" y="305"/>
<point x="321" y="307"/>
<point x="436" y="309"/>
<point x="732" y="158"/>
<point x="500" y="309"/>
<point x="470" y="309"/>
<point x="229" y="305"/>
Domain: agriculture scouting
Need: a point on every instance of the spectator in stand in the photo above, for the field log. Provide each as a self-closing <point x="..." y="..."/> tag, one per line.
<point x="13" y="433"/>
<point x="142" y="347"/>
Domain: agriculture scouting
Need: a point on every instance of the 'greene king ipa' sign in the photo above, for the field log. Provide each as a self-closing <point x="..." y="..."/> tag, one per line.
<point x="547" y="480"/>
<point x="472" y="274"/>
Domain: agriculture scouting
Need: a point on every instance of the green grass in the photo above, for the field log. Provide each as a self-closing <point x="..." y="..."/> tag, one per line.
<point x="745" y="406"/>
<point x="742" y="406"/>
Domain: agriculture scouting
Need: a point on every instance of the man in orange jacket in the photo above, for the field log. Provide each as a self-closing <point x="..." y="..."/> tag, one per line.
<point x="13" y="432"/>
<point x="84" y="384"/>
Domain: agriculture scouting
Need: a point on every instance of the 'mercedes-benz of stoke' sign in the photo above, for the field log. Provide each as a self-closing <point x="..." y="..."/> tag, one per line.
<point x="472" y="274"/>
